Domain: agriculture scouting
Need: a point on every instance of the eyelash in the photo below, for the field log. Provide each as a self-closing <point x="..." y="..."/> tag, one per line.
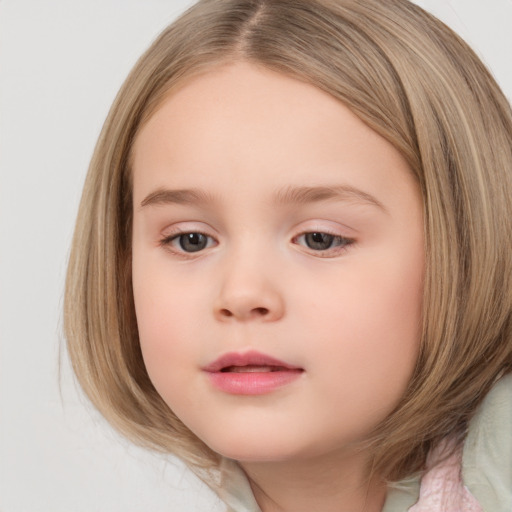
<point x="341" y="243"/>
<point x="167" y="242"/>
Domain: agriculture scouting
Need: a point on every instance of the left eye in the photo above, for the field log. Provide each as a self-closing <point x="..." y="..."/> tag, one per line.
<point x="318" y="241"/>
<point x="190" y="242"/>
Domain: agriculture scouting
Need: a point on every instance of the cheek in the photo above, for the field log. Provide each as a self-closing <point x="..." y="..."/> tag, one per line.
<point x="163" y="318"/>
<point x="370" y="331"/>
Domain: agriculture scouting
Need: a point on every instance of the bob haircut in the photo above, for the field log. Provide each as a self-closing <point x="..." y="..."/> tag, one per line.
<point x="413" y="81"/>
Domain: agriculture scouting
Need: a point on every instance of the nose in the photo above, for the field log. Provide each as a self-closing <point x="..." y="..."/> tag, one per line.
<point x="248" y="293"/>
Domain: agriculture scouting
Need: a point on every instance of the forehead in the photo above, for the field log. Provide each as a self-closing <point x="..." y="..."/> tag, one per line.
<point x="244" y="125"/>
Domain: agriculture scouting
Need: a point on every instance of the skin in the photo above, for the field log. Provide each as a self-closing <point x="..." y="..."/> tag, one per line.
<point x="349" y="315"/>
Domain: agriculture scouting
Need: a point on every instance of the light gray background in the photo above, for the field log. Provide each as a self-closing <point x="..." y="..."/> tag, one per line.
<point x="61" y="63"/>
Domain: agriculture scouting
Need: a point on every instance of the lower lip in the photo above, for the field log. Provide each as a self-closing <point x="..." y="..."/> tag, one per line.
<point x="252" y="383"/>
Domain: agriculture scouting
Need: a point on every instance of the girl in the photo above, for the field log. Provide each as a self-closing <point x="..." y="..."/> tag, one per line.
<point x="291" y="265"/>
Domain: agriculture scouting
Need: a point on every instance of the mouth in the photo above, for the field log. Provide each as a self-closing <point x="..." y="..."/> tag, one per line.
<point x="248" y="362"/>
<point x="250" y="373"/>
<point x="253" y="368"/>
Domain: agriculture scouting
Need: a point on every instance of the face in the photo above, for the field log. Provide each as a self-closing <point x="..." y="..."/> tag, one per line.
<point x="277" y="265"/>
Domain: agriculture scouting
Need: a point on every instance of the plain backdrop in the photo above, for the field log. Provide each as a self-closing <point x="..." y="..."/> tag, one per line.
<point x="61" y="63"/>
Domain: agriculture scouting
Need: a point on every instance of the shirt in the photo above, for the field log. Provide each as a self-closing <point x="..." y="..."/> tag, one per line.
<point x="476" y="478"/>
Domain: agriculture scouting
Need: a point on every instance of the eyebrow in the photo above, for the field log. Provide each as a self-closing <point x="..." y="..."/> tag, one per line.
<point x="164" y="196"/>
<point x="288" y="195"/>
<point x="305" y="195"/>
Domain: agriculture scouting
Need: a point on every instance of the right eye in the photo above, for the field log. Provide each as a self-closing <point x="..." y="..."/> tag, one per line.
<point x="189" y="242"/>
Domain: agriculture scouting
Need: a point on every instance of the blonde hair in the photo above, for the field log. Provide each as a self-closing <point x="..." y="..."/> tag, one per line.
<point x="413" y="81"/>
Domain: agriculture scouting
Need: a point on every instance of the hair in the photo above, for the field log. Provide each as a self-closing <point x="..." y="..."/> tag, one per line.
<point x="413" y="81"/>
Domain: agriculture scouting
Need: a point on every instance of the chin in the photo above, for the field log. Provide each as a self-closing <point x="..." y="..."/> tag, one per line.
<point x="244" y="449"/>
<point x="263" y="449"/>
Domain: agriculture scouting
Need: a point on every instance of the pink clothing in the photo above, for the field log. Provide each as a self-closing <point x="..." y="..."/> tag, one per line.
<point x="442" y="489"/>
<point x="485" y="459"/>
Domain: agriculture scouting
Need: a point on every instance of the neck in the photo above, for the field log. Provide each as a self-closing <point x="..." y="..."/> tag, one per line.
<point x="330" y="483"/>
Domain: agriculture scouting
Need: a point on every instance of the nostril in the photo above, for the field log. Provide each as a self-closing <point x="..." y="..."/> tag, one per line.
<point x="254" y="312"/>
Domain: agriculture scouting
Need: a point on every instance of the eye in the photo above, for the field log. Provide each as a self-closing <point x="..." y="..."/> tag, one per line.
<point x="189" y="242"/>
<point x="319" y="241"/>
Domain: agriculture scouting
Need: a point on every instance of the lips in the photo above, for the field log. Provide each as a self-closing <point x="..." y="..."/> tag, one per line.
<point x="250" y="373"/>
<point x="252" y="368"/>
<point x="234" y="360"/>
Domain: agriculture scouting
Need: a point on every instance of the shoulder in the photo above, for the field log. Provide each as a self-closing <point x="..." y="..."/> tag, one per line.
<point x="478" y="476"/>
<point x="487" y="454"/>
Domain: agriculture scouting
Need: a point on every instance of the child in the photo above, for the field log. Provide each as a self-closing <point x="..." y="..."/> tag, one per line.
<point x="291" y="265"/>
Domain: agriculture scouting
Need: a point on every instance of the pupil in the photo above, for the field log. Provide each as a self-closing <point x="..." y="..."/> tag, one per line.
<point x="193" y="242"/>
<point x="319" y="241"/>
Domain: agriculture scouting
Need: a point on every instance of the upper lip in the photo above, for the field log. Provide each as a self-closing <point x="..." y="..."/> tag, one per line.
<point x="246" y="359"/>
